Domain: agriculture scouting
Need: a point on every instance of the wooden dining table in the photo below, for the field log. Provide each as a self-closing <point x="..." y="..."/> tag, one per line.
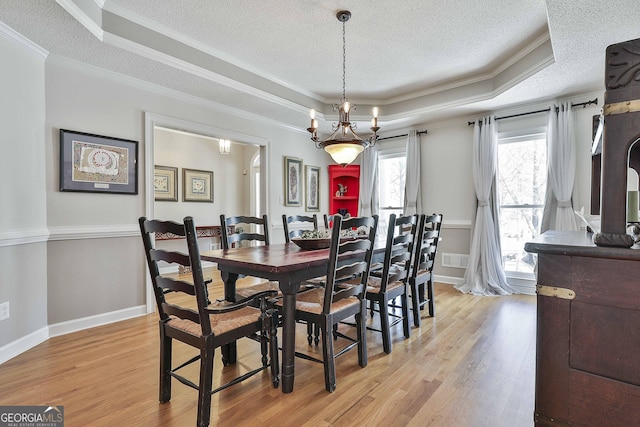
<point x="285" y="263"/>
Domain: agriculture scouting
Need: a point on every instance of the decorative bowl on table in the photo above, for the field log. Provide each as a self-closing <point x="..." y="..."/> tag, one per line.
<point x="320" y="239"/>
<point x="311" y="244"/>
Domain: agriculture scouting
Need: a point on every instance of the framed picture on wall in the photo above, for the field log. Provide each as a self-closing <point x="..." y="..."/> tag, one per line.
<point x="292" y="181"/>
<point x="165" y="183"/>
<point x="97" y="164"/>
<point x="197" y="185"/>
<point x="312" y="188"/>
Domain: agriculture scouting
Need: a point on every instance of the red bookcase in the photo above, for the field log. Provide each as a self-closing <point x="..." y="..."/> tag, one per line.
<point x="348" y="177"/>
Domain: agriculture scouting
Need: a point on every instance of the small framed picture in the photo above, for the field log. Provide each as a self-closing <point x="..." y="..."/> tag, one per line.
<point x="165" y="183"/>
<point x="312" y="187"/>
<point x="292" y="181"/>
<point x="197" y="185"/>
<point x="97" y="164"/>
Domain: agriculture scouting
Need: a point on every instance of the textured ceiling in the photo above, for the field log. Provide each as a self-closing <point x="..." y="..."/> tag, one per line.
<point x="419" y="60"/>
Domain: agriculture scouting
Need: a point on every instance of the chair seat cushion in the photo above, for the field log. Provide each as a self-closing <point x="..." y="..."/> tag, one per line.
<point x="317" y="281"/>
<point x="423" y="272"/>
<point x="373" y="285"/>
<point x="250" y="291"/>
<point x="312" y="300"/>
<point x="220" y="323"/>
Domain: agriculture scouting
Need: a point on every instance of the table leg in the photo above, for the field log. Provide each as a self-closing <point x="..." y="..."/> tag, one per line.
<point x="229" y="351"/>
<point x="288" y="340"/>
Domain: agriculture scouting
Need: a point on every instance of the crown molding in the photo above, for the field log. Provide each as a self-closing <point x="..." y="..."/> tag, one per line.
<point x="82" y="17"/>
<point x="171" y="93"/>
<point x="21" y="41"/>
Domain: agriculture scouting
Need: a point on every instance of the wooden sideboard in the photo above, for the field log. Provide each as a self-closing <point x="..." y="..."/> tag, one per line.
<point x="588" y="332"/>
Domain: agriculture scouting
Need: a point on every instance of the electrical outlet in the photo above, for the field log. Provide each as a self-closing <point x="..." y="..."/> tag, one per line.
<point x="4" y="310"/>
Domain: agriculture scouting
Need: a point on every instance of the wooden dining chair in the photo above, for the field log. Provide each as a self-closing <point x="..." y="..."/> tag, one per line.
<point x="421" y="277"/>
<point x="319" y="281"/>
<point x="328" y="306"/>
<point x="301" y="220"/>
<point x="249" y="230"/>
<point x="187" y="315"/>
<point x="390" y="280"/>
<point x="257" y="230"/>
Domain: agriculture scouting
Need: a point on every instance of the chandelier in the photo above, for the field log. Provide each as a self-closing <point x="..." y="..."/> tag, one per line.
<point x="344" y="144"/>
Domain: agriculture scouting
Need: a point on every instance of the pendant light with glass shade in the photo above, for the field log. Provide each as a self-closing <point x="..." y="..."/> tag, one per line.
<point x="344" y="144"/>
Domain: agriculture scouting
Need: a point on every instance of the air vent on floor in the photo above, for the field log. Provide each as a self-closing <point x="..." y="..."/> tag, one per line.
<point x="455" y="260"/>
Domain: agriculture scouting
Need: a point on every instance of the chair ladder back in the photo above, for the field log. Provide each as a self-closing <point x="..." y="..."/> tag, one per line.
<point x="147" y="229"/>
<point x="398" y="249"/>
<point x="230" y="239"/>
<point x="291" y="234"/>
<point x="358" y="267"/>
<point x="427" y="244"/>
<point x="165" y="284"/>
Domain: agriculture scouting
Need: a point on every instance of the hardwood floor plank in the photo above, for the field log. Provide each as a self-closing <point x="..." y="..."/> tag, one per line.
<point x="473" y="365"/>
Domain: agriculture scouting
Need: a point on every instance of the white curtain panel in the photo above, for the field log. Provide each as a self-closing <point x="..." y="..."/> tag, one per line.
<point x="412" y="196"/>
<point x="561" y="163"/>
<point x="369" y="182"/>
<point x="485" y="273"/>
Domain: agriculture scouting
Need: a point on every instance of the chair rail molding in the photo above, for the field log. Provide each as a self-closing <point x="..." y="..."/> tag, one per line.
<point x="22" y="237"/>
<point x="93" y="231"/>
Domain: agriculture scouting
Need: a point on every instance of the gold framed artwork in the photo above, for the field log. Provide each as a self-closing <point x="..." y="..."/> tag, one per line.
<point x="312" y="188"/>
<point x="197" y="186"/>
<point x="292" y="181"/>
<point x="165" y="183"/>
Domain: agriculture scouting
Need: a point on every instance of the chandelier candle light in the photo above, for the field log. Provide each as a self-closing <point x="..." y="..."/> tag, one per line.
<point x="344" y="144"/>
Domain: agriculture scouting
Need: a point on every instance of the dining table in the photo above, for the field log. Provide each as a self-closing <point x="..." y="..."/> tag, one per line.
<point x="287" y="264"/>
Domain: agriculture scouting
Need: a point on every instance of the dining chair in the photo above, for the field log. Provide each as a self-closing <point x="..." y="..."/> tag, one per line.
<point x="421" y="276"/>
<point x="187" y="315"/>
<point x="257" y="230"/>
<point x="248" y="230"/>
<point x="312" y="334"/>
<point x="328" y="306"/>
<point x="390" y="280"/>
<point x="302" y="220"/>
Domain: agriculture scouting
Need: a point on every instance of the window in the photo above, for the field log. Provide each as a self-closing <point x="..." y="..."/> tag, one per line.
<point x="522" y="182"/>
<point x="391" y="176"/>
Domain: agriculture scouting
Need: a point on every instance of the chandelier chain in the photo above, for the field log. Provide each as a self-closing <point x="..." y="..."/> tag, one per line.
<point x="344" y="62"/>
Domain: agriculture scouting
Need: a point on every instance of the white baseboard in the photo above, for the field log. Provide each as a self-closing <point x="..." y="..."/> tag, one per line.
<point x="449" y="280"/>
<point x="522" y="286"/>
<point x="75" y="325"/>
<point x="23" y="344"/>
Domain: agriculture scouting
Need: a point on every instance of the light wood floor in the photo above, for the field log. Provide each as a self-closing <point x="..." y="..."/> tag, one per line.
<point x="472" y="365"/>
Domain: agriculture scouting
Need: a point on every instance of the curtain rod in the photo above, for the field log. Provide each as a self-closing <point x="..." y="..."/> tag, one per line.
<point x="400" y="136"/>
<point x="583" y="104"/>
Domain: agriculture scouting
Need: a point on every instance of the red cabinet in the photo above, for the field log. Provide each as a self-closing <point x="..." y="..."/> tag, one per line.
<point x="344" y="189"/>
